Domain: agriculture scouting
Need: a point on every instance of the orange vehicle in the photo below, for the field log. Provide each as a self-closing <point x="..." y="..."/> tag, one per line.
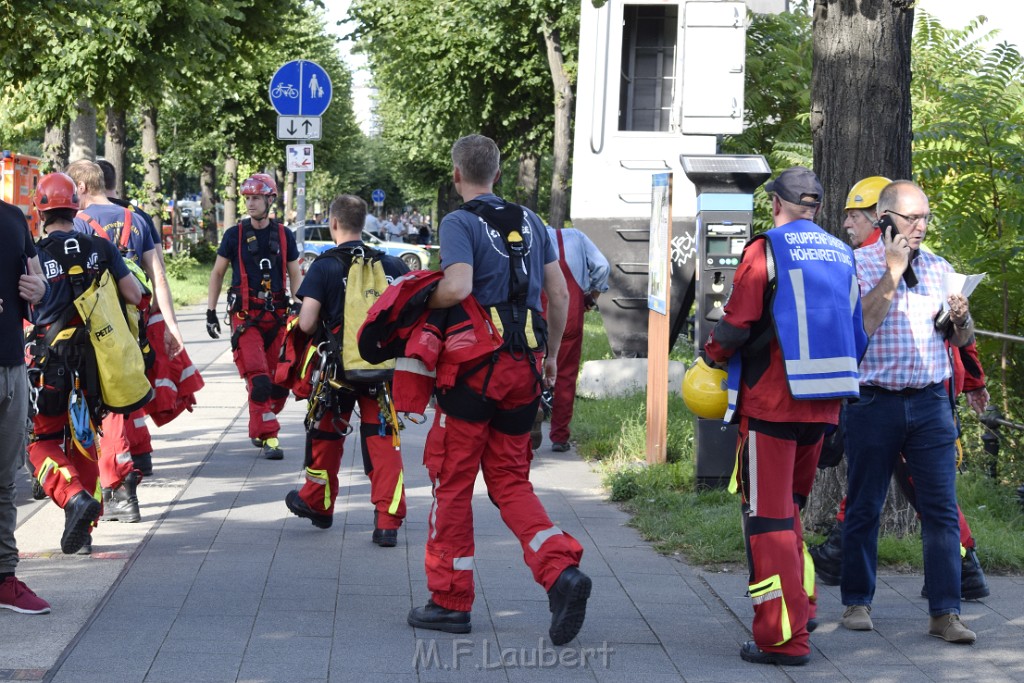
<point x="19" y="174"/>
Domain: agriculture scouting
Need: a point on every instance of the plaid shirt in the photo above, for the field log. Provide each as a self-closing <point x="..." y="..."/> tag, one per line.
<point x="905" y="352"/>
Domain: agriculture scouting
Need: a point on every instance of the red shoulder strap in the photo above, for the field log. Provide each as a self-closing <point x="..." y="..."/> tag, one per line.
<point x="94" y="224"/>
<point x="126" y="229"/>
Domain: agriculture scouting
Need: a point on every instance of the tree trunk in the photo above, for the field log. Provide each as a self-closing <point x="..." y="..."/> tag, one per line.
<point x="526" y="181"/>
<point x="207" y="183"/>
<point x="860" y="96"/>
<point x="151" y="163"/>
<point x="230" y="192"/>
<point x="83" y="132"/>
<point x="564" y="108"/>
<point x="55" y="147"/>
<point x="114" y="144"/>
<point x="861" y="125"/>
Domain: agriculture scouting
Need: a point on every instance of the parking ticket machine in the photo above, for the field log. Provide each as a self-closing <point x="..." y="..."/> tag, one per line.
<point x="725" y="210"/>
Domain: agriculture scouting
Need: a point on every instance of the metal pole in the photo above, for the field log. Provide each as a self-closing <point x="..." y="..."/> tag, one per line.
<point x="300" y="208"/>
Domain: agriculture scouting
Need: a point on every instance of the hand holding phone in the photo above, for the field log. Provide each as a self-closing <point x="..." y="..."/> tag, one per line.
<point x="889" y="230"/>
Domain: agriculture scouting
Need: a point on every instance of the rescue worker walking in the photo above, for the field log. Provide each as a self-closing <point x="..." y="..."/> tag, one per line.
<point x="262" y="254"/>
<point x="500" y="254"/>
<point x="64" y="368"/>
<point x="322" y="317"/>
<point x="124" y="435"/>
<point x="792" y="358"/>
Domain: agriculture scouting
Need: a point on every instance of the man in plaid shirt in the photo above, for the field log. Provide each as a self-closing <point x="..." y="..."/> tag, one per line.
<point x="905" y="407"/>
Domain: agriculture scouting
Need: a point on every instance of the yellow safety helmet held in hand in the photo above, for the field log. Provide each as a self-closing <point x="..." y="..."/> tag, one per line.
<point x="705" y="390"/>
<point x="864" y="194"/>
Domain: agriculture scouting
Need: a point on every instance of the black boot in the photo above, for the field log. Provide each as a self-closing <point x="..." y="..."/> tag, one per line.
<point x="436" y="618"/>
<point x="80" y="512"/>
<point x="122" y="503"/>
<point x="828" y="557"/>
<point x="973" y="585"/>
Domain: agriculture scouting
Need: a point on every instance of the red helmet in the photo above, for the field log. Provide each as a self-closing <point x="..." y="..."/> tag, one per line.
<point x="259" y="184"/>
<point x="55" y="191"/>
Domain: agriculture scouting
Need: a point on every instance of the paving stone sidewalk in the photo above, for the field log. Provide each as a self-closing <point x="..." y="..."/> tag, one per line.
<point x="220" y="583"/>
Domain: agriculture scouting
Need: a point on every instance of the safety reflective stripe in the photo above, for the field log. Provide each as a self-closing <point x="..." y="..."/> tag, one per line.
<point x="734" y="480"/>
<point x="752" y="471"/>
<point x="320" y="477"/>
<point x="50" y="465"/>
<point x="531" y="338"/>
<point x="267" y="417"/>
<point x="165" y="384"/>
<point x="808" y="573"/>
<point x="140" y="422"/>
<point x="771" y="589"/>
<point x="463" y="564"/>
<point x="538" y="540"/>
<point x="310" y="352"/>
<point x="413" y="366"/>
<point x="98" y="493"/>
<point x="396" y="498"/>
<point x="156" y="318"/>
<point x="122" y="458"/>
<point x="188" y="372"/>
<point x="963" y="551"/>
<point x="432" y="518"/>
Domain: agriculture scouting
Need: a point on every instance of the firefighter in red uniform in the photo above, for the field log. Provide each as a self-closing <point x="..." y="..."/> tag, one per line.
<point x="62" y="446"/>
<point x="262" y="254"/>
<point x="500" y="254"/>
<point x="322" y="317"/>
<point x="792" y="358"/>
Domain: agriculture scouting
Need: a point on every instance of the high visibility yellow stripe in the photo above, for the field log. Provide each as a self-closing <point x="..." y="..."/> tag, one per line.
<point x="396" y="498"/>
<point x="771" y="589"/>
<point x="808" y="573"/>
<point x="321" y="477"/>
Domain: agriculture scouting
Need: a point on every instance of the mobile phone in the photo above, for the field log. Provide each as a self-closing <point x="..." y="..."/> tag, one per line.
<point x="887" y="226"/>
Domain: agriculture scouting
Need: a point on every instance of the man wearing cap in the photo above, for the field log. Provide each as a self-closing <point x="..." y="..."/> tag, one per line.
<point x="791" y="337"/>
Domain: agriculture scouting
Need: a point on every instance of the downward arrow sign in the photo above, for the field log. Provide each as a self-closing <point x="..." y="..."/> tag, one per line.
<point x="291" y="128"/>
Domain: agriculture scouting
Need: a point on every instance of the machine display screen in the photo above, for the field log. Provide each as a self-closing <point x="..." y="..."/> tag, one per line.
<point x="719" y="246"/>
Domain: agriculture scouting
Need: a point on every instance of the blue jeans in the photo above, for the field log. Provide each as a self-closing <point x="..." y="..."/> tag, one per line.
<point x="879" y="427"/>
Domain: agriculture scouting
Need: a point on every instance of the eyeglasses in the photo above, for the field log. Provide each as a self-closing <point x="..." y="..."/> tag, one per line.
<point x="927" y="218"/>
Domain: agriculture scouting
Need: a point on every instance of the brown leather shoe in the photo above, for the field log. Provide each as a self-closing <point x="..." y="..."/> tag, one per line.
<point x="951" y="629"/>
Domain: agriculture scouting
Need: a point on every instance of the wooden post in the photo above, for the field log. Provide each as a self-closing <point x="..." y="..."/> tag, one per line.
<point x="659" y="293"/>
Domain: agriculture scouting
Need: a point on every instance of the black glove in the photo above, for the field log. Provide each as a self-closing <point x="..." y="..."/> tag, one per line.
<point x="296" y="307"/>
<point x="212" y="324"/>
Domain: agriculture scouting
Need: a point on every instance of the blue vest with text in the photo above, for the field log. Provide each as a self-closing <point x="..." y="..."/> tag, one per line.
<point x="815" y="311"/>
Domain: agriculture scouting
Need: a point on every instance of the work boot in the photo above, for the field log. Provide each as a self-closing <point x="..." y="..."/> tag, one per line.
<point x="973" y="585"/>
<point x="300" y="508"/>
<point x="258" y="443"/>
<point x="750" y="652"/>
<point x="122" y="504"/>
<point x="567" y="601"/>
<point x="828" y="557"/>
<point x="951" y="629"/>
<point x="385" y="538"/>
<point x="560" y="446"/>
<point x="80" y="512"/>
<point x="272" y="449"/>
<point x="143" y="462"/>
<point x="37" y="490"/>
<point x="86" y="548"/>
<point x="436" y="618"/>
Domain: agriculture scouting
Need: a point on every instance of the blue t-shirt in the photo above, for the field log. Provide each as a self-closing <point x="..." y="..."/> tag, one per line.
<point x="325" y="281"/>
<point x="61" y="294"/>
<point x="17" y="249"/>
<point x="466" y="238"/>
<point x="111" y="218"/>
<point x="229" y="249"/>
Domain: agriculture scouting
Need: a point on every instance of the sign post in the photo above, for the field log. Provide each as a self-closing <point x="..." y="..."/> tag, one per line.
<point x="300" y="92"/>
<point x="659" y="302"/>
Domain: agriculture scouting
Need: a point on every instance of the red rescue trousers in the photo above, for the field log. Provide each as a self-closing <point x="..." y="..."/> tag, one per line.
<point x="62" y="475"/>
<point x="175" y="380"/>
<point x="779" y="460"/>
<point x="123" y="437"/>
<point x="382" y="462"/>
<point x="455" y="452"/>
<point x="568" y="360"/>
<point x="256" y="358"/>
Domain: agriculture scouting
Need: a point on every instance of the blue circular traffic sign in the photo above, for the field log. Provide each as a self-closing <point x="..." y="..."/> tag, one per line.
<point x="378" y="196"/>
<point x="300" y="88"/>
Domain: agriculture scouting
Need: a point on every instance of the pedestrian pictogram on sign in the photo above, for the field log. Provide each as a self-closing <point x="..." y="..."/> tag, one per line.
<point x="300" y="88"/>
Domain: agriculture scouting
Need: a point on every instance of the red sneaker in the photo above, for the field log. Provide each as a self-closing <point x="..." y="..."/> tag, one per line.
<point x="15" y="595"/>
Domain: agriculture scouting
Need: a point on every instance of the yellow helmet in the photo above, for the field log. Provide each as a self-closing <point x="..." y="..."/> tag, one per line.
<point x="865" y="193"/>
<point x="704" y="390"/>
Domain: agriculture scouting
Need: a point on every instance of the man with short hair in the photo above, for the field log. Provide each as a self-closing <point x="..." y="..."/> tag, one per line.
<point x="323" y="293"/>
<point x="21" y="283"/>
<point x="905" y="408"/>
<point x="792" y="335"/>
<point x="500" y="254"/>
